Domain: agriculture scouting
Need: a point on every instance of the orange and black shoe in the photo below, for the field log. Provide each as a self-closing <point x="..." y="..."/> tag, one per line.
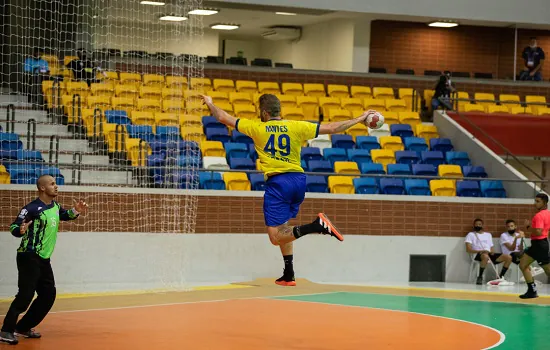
<point x="286" y="281"/>
<point x="329" y="228"/>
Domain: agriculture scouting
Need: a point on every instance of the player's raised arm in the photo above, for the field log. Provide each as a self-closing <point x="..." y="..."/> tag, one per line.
<point x="221" y="115"/>
<point x="80" y="207"/>
<point x="336" y="127"/>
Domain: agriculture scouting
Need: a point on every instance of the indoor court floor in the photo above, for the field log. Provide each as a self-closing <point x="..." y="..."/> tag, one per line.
<point x="260" y="315"/>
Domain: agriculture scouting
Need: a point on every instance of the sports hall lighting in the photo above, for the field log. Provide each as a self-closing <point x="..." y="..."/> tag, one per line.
<point x="220" y="26"/>
<point x="285" y="13"/>
<point x="173" y="18"/>
<point x="443" y="24"/>
<point x="154" y="3"/>
<point x="203" y="12"/>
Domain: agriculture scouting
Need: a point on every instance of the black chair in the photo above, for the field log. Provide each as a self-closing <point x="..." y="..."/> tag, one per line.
<point x="377" y="70"/>
<point x="432" y="73"/>
<point x="261" y="62"/>
<point x="283" y="65"/>
<point x="136" y="54"/>
<point x="239" y="61"/>
<point x="214" y="59"/>
<point x="403" y="71"/>
<point x="460" y="74"/>
<point x="483" y="75"/>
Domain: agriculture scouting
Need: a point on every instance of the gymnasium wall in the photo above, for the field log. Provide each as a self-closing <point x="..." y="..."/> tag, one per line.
<point x="464" y="48"/>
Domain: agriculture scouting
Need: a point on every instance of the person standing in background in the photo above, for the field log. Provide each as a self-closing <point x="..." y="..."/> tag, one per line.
<point x="534" y="57"/>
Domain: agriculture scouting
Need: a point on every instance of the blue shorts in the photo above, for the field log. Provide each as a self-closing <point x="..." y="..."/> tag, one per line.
<point x="283" y="195"/>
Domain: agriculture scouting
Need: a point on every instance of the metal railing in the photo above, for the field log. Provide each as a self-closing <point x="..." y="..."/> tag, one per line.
<point x="10" y="118"/>
<point x="31" y="134"/>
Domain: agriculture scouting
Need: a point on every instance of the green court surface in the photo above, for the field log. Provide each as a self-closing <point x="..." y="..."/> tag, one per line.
<point x="517" y="322"/>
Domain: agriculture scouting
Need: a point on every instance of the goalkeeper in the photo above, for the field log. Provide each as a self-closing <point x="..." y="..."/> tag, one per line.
<point x="37" y="224"/>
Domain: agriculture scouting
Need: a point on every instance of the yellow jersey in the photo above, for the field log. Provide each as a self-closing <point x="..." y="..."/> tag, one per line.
<point x="278" y="142"/>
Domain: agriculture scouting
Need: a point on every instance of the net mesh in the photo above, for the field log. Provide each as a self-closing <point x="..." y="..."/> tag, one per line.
<point x="102" y="93"/>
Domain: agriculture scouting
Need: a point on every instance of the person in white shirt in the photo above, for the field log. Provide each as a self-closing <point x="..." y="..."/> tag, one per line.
<point x="480" y="243"/>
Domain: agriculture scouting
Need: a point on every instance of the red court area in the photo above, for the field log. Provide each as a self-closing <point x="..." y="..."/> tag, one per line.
<point x="254" y="324"/>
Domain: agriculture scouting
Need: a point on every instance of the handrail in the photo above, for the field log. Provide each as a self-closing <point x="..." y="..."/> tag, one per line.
<point x="52" y="152"/>
<point x="95" y="136"/>
<point x="31" y="136"/>
<point x="77" y="155"/>
<point x="501" y="102"/>
<point x="77" y="113"/>
<point x="10" y="118"/>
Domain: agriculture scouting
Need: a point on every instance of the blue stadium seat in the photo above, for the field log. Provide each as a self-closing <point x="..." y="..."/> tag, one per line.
<point x="441" y="145"/>
<point x="468" y="189"/>
<point x="399" y="169"/>
<point x="367" y="142"/>
<point x="156" y="163"/>
<point x="252" y="152"/>
<point x="372" y="168"/>
<point x="424" y="169"/>
<point x="401" y="130"/>
<point x="52" y="171"/>
<point x="320" y="166"/>
<point x="239" y="137"/>
<point x="316" y="183"/>
<point x="303" y="164"/>
<point x="23" y="174"/>
<point x="144" y="132"/>
<point x="31" y="156"/>
<point x="311" y="153"/>
<point x="458" y="158"/>
<point x="342" y="141"/>
<point x="10" y="142"/>
<point x="236" y="150"/>
<point x="190" y="148"/>
<point x="242" y="164"/>
<point x="392" y="186"/>
<point x="493" y="189"/>
<point x="8" y="154"/>
<point x="185" y="160"/>
<point x="211" y="181"/>
<point x="165" y="133"/>
<point x="359" y="156"/>
<point x="257" y="182"/>
<point x="432" y="157"/>
<point x="218" y="134"/>
<point x="212" y="122"/>
<point x="417" y="144"/>
<point x="407" y="157"/>
<point x="184" y="179"/>
<point x="417" y="187"/>
<point x="474" y="171"/>
<point x="117" y="117"/>
<point x="335" y="155"/>
<point x="366" y="185"/>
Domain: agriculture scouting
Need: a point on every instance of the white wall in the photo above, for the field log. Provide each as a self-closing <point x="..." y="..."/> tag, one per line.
<point x="251" y="48"/>
<point x="101" y="262"/>
<point x="361" y="45"/>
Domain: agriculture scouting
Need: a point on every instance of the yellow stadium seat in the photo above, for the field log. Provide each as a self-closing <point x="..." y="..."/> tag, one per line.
<point x="142" y="118"/>
<point x="535" y="102"/>
<point x="338" y="114"/>
<point x="236" y="181"/>
<point x="156" y="80"/>
<point x="166" y="119"/>
<point x="47" y="89"/>
<point x="361" y="92"/>
<point x="346" y="168"/>
<point x="310" y="106"/>
<point x="246" y="86"/>
<point x="70" y="101"/>
<point x="352" y="104"/>
<point x="173" y="106"/>
<point x="240" y="98"/>
<point x="191" y="95"/>
<point x="393" y="117"/>
<point x="133" y="148"/>
<point x="5" y="178"/>
<point x="383" y="93"/>
<point x="486" y="99"/>
<point x="78" y="87"/>
<point x="107" y="75"/>
<point x="89" y="117"/>
<point x="172" y="94"/>
<point x="212" y="149"/>
<point x="294" y="89"/>
<point x="411" y="118"/>
<point x="510" y="101"/>
<point x="358" y="130"/>
<point x="150" y="92"/>
<point x="193" y="133"/>
<point x="123" y="103"/>
<point x="225" y="106"/>
<point x="292" y="113"/>
<point x="543" y="111"/>
<point x="462" y="95"/>
<point x="196" y="107"/>
<point x="114" y="134"/>
<point x="103" y="102"/>
<point x="427" y="132"/>
<point x="245" y="111"/>
<point x="102" y="89"/>
<point x="224" y="85"/>
<point x="470" y="107"/>
<point x="394" y="105"/>
<point x="219" y="96"/>
<point x="130" y="78"/>
<point x="521" y="110"/>
<point x="328" y="103"/>
<point x="392" y="142"/>
<point x="315" y="90"/>
<point x="406" y="94"/>
<point x="146" y="104"/>
<point x="188" y="120"/>
<point x="445" y="170"/>
<point x="201" y="84"/>
<point x="497" y="109"/>
<point x="339" y="91"/>
<point x="126" y="90"/>
<point x="3" y="169"/>
<point x="444" y="188"/>
<point x="341" y="184"/>
<point x="287" y="101"/>
<point x="176" y="82"/>
<point x="428" y="96"/>
<point x="67" y="59"/>
<point x="267" y="87"/>
<point x="376" y="104"/>
<point x="383" y="156"/>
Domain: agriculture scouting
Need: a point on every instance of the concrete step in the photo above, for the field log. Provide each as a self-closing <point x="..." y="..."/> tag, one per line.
<point x="44" y="129"/>
<point x="23" y="115"/>
<point x="68" y="145"/>
<point x="99" y="177"/>
<point x="86" y="159"/>
<point x="15" y="99"/>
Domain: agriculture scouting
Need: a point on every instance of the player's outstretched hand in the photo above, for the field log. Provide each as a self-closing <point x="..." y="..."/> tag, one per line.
<point x="206" y="99"/>
<point x="521" y="234"/>
<point x="23" y="228"/>
<point x="527" y="222"/>
<point x="366" y="114"/>
<point x="81" y="206"/>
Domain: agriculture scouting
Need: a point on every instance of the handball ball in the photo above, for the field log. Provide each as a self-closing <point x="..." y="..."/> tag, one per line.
<point x="374" y="120"/>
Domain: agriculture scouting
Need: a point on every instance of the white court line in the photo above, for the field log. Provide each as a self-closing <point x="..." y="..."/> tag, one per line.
<point x="501" y="340"/>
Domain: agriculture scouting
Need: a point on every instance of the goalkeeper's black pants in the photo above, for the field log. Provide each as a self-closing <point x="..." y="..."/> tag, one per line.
<point x="34" y="275"/>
